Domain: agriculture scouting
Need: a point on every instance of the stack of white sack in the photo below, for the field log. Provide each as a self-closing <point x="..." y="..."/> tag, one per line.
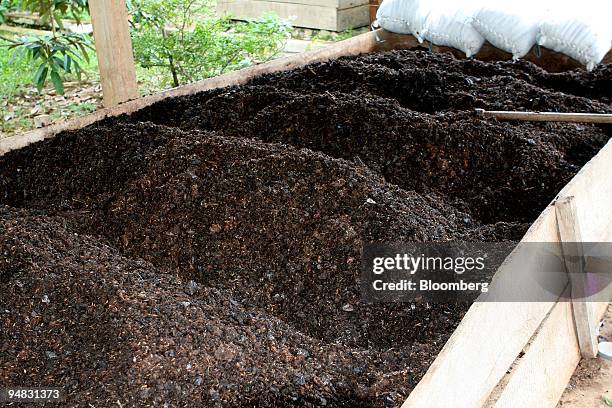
<point x="579" y="30"/>
<point x="582" y="31"/>
<point x="512" y="26"/>
<point x="442" y="22"/>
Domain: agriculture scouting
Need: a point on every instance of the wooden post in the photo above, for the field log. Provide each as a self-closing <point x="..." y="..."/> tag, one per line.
<point x="573" y="253"/>
<point x="114" y="50"/>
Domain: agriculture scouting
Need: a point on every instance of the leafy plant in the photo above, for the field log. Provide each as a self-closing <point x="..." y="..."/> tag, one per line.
<point x="14" y="74"/>
<point x="59" y="53"/>
<point x="52" y="11"/>
<point x="181" y="37"/>
<point x="4" y="8"/>
<point x="54" y="54"/>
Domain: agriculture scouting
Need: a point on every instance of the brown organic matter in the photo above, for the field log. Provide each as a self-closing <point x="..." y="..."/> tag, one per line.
<point x="206" y="250"/>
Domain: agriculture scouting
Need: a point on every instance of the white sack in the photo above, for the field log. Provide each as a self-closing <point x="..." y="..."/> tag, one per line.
<point x="403" y="16"/>
<point x="582" y="31"/>
<point x="512" y="25"/>
<point x="449" y="24"/>
<point x="443" y="22"/>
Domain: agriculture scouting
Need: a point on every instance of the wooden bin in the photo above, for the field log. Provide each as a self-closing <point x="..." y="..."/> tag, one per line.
<point x="501" y="354"/>
<point x="332" y="15"/>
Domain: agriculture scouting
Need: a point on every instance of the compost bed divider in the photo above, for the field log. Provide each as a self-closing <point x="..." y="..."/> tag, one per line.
<point x="492" y="335"/>
<point x="472" y="368"/>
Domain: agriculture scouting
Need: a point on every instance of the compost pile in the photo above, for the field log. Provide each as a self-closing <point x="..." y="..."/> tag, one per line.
<point x="206" y="250"/>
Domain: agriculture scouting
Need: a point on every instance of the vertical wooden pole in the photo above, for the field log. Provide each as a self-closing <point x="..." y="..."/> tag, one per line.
<point x="114" y="50"/>
<point x="573" y="253"/>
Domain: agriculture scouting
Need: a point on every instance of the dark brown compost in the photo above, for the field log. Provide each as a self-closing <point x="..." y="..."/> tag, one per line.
<point x="206" y="250"/>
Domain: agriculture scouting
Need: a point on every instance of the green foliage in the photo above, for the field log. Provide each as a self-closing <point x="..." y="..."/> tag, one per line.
<point x="53" y="56"/>
<point x="345" y="35"/>
<point x="174" y="35"/>
<point x="4" y="8"/>
<point x="607" y="398"/>
<point x="52" y="11"/>
<point x="14" y="71"/>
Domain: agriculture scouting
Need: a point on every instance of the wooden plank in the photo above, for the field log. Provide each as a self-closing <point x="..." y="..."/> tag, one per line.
<point x="573" y="251"/>
<point x="591" y="201"/>
<point x="114" y="50"/>
<point x="491" y="335"/>
<point x="547" y="116"/>
<point x="541" y="375"/>
<point x="353" y="17"/>
<point x="338" y="4"/>
<point x="22" y="30"/>
<point x="319" y="17"/>
<point x="599" y="262"/>
<point x="35" y="20"/>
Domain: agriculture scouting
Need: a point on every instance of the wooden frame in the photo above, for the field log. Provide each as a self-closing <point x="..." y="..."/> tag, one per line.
<point x="472" y="368"/>
<point x="332" y="15"/>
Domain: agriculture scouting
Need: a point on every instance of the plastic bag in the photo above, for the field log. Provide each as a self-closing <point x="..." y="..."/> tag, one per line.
<point x="512" y="26"/>
<point x="442" y="22"/>
<point x="583" y="33"/>
<point x="449" y="24"/>
<point x="403" y="16"/>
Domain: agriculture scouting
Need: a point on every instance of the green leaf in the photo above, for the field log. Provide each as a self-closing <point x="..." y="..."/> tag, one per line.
<point x="67" y="62"/>
<point x="57" y="82"/>
<point x="58" y="20"/>
<point x="41" y="76"/>
<point x="57" y="63"/>
<point x="607" y="398"/>
<point x="84" y="52"/>
<point x="77" y="69"/>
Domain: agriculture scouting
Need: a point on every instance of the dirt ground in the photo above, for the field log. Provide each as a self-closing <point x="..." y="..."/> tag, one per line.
<point x="206" y="250"/>
<point x="593" y="378"/>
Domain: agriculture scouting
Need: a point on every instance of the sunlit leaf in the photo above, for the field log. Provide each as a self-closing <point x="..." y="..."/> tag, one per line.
<point x="57" y="82"/>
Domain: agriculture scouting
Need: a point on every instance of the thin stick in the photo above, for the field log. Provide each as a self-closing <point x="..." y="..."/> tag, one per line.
<point x="547" y="116"/>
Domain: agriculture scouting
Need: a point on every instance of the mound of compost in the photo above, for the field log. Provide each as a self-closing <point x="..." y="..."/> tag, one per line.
<point x="206" y="250"/>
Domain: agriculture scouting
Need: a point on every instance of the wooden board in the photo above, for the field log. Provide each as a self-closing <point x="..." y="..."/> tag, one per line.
<point x="571" y="240"/>
<point x="34" y="19"/>
<point x="22" y="30"/>
<point x="339" y="4"/>
<point x="599" y="261"/>
<point x="488" y="339"/>
<point x="302" y="15"/>
<point x="473" y="361"/>
<point x="541" y="375"/>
